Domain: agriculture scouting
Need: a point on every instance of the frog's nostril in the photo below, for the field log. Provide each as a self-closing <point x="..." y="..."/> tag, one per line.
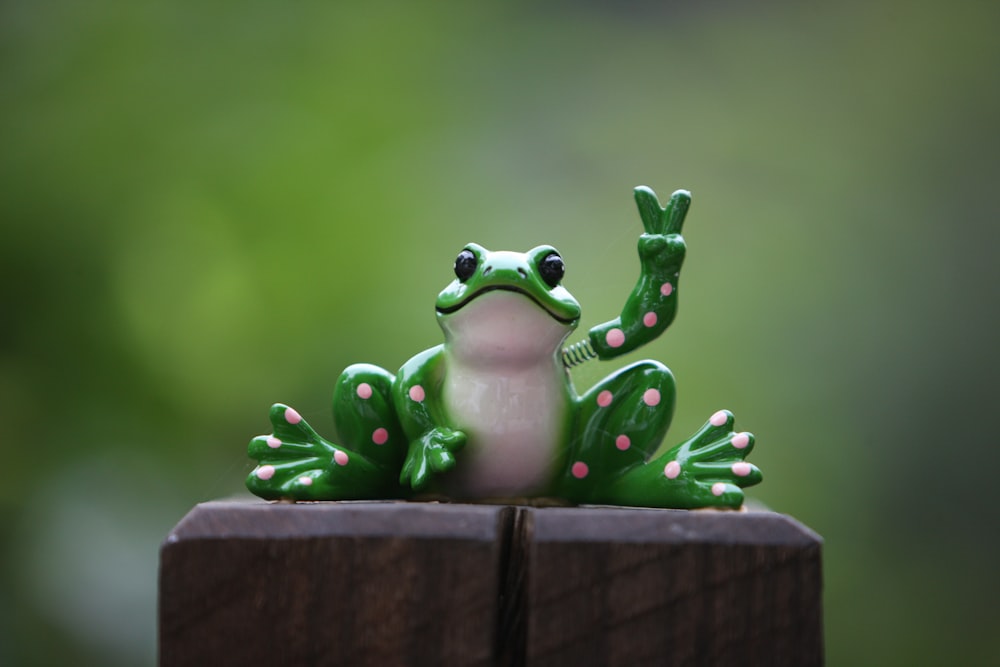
<point x="487" y="270"/>
<point x="524" y="274"/>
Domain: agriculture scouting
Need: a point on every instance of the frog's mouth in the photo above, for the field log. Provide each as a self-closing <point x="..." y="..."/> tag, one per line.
<point x="505" y="288"/>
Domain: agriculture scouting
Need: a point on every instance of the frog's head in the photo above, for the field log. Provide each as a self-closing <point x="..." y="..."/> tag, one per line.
<point x="508" y="300"/>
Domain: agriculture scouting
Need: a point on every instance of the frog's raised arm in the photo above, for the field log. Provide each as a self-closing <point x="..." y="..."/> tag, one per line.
<point x="651" y="306"/>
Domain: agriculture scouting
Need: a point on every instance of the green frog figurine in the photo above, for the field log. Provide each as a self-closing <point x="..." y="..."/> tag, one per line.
<point x="492" y="412"/>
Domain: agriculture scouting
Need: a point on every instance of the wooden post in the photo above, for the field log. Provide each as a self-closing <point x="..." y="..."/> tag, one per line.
<point x="668" y="587"/>
<point x="255" y="583"/>
<point x="395" y="583"/>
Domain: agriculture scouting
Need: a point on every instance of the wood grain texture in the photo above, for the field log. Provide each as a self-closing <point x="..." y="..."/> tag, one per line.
<point x="255" y="583"/>
<point x="391" y="583"/>
<point x="612" y="586"/>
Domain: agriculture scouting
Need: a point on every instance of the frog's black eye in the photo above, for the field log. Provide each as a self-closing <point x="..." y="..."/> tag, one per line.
<point x="552" y="269"/>
<point x="465" y="264"/>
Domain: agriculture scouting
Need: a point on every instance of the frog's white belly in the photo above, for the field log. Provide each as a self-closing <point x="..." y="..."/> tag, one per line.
<point x="506" y="389"/>
<point x="514" y="422"/>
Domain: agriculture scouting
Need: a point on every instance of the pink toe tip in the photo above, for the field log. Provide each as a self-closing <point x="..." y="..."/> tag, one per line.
<point x="741" y="469"/>
<point x="265" y="472"/>
<point x="580" y="470"/>
<point x="365" y="390"/>
<point x="292" y="417"/>
<point x="718" y="489"/>
<point x="273" y="442"/>
<point x="672" y="470"/>
<point x="340" y="457"/>
<point x="306" y="481"/>
<point x="417" y="393"/>
<point x="741" y="440"/>
<point x="719" y="418"/>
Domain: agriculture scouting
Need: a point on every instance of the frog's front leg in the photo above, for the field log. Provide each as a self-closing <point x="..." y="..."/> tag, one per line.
<point x="652" y="305"/>
<point x="297" y="463"/>
<point x="432" y="439"/>
<point x="619" y="423"/>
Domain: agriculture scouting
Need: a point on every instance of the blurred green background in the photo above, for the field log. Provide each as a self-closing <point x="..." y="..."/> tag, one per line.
<point x="209" y="207"/>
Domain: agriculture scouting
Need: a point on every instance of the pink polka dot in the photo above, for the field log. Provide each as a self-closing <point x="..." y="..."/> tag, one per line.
<point x="622" y="442"/>
<point x="365" y="390"/>
<point x="306" y="481"/>
<point x="651" y="397"/>
<point x="615" y="338"/>
<point x="649" y="319"/>
<point x="340" y="456"/>
<point x="604" y="398"/>
<point x="292" y="417"/>
<point x="379" y="436"/>
<point x="580" y="470"/>
<point x="741" y="469"/>
<point x="273" y="442"/>
<point x="718" y="489"/>
<point x="417" y="393"/>
<point x="672" y="470"/>
<point x="741" y="440"/>
<point x="265" y="472"/>
<point x="719" y="418"/>
<point x="666" y="289"/>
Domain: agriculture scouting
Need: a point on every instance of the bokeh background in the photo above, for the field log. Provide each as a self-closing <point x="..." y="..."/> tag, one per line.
<point x="207" y="207"/>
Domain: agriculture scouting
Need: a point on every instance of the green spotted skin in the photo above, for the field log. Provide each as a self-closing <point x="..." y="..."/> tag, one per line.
<point x="493" y="412"/>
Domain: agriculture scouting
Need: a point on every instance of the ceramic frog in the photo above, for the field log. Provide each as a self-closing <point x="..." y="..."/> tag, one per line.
<point x="492" y="412"/>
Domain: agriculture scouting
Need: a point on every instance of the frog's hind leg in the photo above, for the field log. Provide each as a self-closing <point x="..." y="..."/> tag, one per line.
<point x="706" y="470"/>
<point x="620" y="423"/>
<point x="296" y="463"/>
<point x="365" y="416"/>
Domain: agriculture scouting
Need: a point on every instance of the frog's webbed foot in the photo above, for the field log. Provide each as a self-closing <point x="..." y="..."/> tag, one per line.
<point x="706" y="470"/>
<point x="296" y="463"/>
<point x="710" y="465"/>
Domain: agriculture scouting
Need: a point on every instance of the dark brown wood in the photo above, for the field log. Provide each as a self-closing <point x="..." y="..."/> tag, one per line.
<point x="612" y="586"/>
<point x="254" y="583"/>
<point x="390" y="583"/>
